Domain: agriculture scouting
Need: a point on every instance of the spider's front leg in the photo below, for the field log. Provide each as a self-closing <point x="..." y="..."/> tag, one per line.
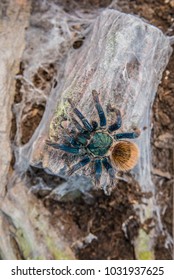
<point x="65" y="148"/>
<point x="85" y="122"/>
<point x="99" y="108"/>
<point x="118" y="121"/>
<point x="77" y="124"/>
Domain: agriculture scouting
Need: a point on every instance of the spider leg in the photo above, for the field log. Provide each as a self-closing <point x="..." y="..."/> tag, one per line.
<point x="83" y="135"/>
<point x="118" y="122"/>
<point x="109" y="169"/>
<point x="127" y="135"/>
<point x="72" y="141"/>
<point x="82" y="139"/>
<point x="79" y="165"/>
<point x="65" y="148"/>
<point x="85" y="122"/>
<point x="99" y="109"/>
<point x="98" y="170"/>
<point x="77" y="124"/>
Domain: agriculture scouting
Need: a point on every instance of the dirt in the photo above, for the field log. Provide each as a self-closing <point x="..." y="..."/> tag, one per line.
<point x="96" y="229"/>
<point x="102" y="217"/>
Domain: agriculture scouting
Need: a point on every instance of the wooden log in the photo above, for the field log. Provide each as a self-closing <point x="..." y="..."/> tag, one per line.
<point x="123" y="58"/>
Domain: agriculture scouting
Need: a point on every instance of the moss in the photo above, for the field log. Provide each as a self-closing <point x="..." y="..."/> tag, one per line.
<point x="146" y="255"/>
<point x="57" y="253"/>
<point x="62" y="107"/>
<point x="24" y="245"/>
<point x="60" y="113"/>
<point x="26" y="248"/>
<point x="142" y="250"/>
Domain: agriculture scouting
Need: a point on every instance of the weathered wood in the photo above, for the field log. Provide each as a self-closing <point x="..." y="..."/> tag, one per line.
<point x="12" y="44"/>
<point x="123" y="58"/>
<point x="26" y="232"/>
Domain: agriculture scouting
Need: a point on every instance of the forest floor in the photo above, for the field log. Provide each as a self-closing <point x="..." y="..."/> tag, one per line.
<point x="98" y="225"/>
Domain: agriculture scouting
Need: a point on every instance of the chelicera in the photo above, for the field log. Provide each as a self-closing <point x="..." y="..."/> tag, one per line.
<point x="99" y="144"/>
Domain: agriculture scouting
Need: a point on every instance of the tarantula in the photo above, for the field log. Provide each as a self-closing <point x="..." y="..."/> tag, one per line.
<point x="97" y="143"/>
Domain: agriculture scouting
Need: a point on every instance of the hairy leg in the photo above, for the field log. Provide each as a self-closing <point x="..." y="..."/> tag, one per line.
<point x="118" y="121"/>
<point x="85" y="122"/>
<point x="65" y="148"/>
<point x="99" y="108"/>
<point x="79" y="165"/>
<point x="72" y="141"/>
<point x="127" y="135"/>
<point x="98" y="170"/>
<point x="109" y="169"/>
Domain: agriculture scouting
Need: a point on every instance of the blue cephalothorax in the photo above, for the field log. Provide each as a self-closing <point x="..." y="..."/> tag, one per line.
<point x="98" y="143"/>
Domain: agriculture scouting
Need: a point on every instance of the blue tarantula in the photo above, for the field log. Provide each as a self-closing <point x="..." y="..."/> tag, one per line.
<point x="98" y="144"/>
